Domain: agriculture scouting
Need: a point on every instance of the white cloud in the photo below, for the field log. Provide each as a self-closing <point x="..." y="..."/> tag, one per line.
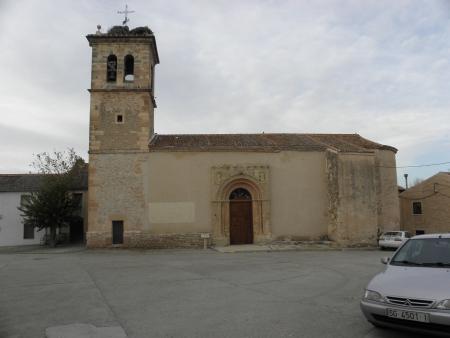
<point x="378" y="68"/>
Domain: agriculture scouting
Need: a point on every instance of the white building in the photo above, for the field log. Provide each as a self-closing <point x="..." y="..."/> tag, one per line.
<point x="13" y="190"/>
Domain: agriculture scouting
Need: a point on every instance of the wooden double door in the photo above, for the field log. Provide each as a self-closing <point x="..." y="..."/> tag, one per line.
<point x="241" y="217"/>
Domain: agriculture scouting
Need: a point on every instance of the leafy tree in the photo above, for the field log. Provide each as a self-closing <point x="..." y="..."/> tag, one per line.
<point x="53" y="205"/>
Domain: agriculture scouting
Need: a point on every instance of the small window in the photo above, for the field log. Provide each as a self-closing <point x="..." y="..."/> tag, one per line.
<point x="420" y="232"/>
<point x="129" y="68"/>
<point x="111" y="68"/>
<point x="417" y="208"/>
<point x="28" y="231"/>
<point x="119" y="118"/>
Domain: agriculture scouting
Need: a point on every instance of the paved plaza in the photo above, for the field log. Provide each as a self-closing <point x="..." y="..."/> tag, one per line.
<point x="186" y="293"/>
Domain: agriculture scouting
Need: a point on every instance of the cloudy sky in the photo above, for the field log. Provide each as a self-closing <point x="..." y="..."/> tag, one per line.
<point x="377" y="68"/>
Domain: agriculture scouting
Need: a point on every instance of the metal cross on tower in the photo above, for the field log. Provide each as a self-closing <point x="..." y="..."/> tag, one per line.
<point x="126" y="12"/>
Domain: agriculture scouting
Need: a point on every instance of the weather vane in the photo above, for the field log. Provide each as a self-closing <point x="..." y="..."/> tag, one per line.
<point x="126" y="12"/>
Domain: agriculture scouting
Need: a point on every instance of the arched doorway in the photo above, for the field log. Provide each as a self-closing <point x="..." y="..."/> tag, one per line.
<point x="241" y="217"/>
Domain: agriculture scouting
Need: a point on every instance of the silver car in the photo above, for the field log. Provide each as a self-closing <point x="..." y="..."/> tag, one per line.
<point x="393" y="239"/>
<point x="413" y="292"/>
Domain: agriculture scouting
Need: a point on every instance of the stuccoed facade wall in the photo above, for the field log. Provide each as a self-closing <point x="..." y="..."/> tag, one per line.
<point x="295" y="206"/>
<point x="167" y="199"/>
<point x="11" y="226"/>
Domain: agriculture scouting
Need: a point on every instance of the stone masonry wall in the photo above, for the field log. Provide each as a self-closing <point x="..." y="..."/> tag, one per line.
<point x="143" y="64"/>
<point x="116" y="192"/>
<point x="137" y="239"/>
<point x="133" y="100"/>
<point x="133" y="133"/>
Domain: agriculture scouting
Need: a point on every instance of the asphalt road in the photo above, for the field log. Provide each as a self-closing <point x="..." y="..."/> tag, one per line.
<point x="189" y="293"/>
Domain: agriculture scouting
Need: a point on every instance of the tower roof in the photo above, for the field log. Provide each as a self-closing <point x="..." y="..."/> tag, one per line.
<point x="125" y="31"/>
<point x="123" y="34"/>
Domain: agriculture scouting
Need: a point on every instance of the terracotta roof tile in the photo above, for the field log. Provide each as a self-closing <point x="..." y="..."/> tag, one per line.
<point x="32" y="182"/>
<point x="264" y="142"/>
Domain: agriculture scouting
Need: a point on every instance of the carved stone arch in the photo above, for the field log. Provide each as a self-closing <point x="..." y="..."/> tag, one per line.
<point x="254" y="179"/>
<point x="240" y="181"/>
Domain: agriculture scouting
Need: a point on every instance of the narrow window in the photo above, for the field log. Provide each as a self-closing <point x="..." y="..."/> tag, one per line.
<point x="111" y="68"/>
<point x="28" y="229"/>
<point x="119" y="118"/>
<point x="129" y="68"/>
<point x="417" y="208"/>
<point x="117" y="232"/>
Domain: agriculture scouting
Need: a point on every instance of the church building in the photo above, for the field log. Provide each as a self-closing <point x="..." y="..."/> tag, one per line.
<point x="158" y="191"/>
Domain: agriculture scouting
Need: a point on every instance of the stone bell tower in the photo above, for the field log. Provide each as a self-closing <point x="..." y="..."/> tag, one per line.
<point x="122" y="89"/>
<point x="121" y="125"/>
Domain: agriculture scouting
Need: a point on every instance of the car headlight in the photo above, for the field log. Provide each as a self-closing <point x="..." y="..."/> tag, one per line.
<point x="443" y="305"/>
<point x="373" y="296"/>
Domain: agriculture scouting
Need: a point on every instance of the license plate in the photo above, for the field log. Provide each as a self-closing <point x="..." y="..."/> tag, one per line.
<point x="408" y="315"/>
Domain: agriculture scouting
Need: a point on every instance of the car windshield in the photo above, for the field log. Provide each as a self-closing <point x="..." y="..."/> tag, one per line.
<point x="432" y="252"/>
<point x="392" y="233"/>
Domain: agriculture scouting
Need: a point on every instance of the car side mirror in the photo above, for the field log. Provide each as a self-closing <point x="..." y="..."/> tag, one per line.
<point x="385" y="260"/>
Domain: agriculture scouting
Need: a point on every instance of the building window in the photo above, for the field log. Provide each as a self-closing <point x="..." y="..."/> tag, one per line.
<point x="119" y="118"/>
<point x="111" y="68"/>
<point x="28" y="230"/>
<point x="129" y="68"/>
<point x="417" y="208"/>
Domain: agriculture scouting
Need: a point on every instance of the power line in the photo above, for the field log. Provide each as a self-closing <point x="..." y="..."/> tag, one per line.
<point x="416" y="166"/>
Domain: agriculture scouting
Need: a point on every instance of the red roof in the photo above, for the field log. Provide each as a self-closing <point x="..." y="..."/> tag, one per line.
<point x="264" y="142"/>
